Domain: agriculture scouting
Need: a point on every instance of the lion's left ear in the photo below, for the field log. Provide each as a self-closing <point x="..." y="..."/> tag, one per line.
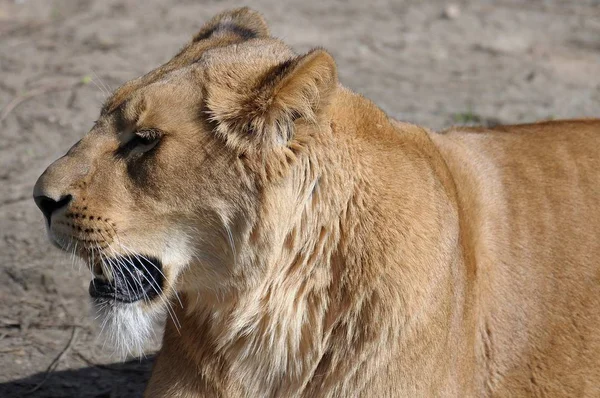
<point x="264" y="116"/>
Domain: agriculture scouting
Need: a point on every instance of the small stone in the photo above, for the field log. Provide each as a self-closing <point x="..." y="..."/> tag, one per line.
<point x="451" y="11"/>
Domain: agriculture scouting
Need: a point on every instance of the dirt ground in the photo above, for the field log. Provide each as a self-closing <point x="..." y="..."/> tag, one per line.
<point x="431" y="62"/>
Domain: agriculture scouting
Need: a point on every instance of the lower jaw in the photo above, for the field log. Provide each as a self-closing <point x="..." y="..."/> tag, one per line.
<point x="100" y="290"/>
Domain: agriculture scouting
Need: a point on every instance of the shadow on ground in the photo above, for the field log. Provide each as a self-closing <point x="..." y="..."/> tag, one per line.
<point x="99" y="381"/>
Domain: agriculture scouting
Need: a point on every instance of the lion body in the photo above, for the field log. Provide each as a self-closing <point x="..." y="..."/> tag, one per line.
<point x="320" y="248"/>
<point x="530" y="228"/>
<point x="470" y="258"/>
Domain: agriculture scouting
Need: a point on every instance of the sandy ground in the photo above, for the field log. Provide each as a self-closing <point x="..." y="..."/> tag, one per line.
<point x="428" y="62"/>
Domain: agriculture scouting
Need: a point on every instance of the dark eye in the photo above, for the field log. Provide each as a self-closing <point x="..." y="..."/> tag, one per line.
<point x="147" y="137"/>
<point x="144" y="140"/>
<point x="141" y="141"/>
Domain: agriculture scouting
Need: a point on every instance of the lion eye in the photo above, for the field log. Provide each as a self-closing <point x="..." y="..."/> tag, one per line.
<point x="144" y="139"/>
<point x="140" y="142"/>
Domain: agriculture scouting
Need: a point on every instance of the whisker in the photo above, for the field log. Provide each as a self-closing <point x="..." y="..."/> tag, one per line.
<point x="157" y="268"/>
<point x="71" y="252"/>
<point x="75" y="256"/>
<point x="104" y="89"/>
<point x="118" y="266"/>
<point x="104" y="322"/>
<point x="169" y="307"/>
<point x="135" y="276"/>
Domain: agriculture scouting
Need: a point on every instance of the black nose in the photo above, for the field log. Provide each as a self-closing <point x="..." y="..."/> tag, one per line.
<point x="48" y="205"/>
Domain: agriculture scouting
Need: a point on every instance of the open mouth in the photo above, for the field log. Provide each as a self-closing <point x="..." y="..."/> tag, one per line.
<point x="133" y="278"/>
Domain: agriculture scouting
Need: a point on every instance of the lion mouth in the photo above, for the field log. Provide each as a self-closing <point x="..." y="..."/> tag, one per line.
<point x="133" y="278"/>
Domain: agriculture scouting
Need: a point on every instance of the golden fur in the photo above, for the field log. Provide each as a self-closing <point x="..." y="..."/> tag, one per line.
<point x="322" y="249"/>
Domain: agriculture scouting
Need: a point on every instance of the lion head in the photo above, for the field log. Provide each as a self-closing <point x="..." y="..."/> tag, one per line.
<point x="192" y="176"/>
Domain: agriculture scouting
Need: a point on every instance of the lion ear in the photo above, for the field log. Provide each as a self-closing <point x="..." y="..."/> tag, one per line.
<point x="265" y="116"/>
<point x="243" y="23"/>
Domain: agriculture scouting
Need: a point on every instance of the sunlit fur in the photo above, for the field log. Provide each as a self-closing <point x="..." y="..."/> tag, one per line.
<point x="321" y="249"/>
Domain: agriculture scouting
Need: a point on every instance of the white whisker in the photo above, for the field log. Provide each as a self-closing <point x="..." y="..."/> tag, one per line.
<point x="127" y="326"/>
<point x="158" y="269"/>
<point x="104" y="89"/>
<point x="152" y="284"/>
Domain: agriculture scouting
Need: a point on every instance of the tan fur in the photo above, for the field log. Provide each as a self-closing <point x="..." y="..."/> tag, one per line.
<point x="334" y="252"/>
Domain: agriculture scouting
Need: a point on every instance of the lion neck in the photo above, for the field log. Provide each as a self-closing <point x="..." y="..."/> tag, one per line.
<point x="281" y="325"/>
<point x="278" y="326"/>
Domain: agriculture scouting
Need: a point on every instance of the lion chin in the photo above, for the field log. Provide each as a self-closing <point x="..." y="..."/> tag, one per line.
<point x="301" y="243"/>
<point x="132" y="293"/>
<point x="126" y="327"/>
<point x="121" y="302"/>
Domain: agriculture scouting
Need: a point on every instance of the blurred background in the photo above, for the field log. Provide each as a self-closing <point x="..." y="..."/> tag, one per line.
<point x="435" y="63"/>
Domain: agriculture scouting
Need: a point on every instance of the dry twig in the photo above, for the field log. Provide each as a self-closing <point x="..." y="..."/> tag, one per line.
<point x="56" y="361"/>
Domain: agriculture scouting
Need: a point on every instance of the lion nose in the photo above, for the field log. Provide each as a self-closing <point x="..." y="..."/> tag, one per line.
<point x="52" y="190"/>
<point x="59" y="185"/>
<point x="49" y="205"/>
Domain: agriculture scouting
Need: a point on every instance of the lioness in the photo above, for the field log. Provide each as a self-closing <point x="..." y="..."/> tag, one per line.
<point x="306" y="245"/>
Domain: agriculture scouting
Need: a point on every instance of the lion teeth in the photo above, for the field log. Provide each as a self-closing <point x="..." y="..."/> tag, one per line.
<point x="100" y="270"/>
<point x="97" y="270"/>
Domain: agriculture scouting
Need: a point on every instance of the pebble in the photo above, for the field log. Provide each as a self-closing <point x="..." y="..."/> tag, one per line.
<point x="451" y="11"/>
